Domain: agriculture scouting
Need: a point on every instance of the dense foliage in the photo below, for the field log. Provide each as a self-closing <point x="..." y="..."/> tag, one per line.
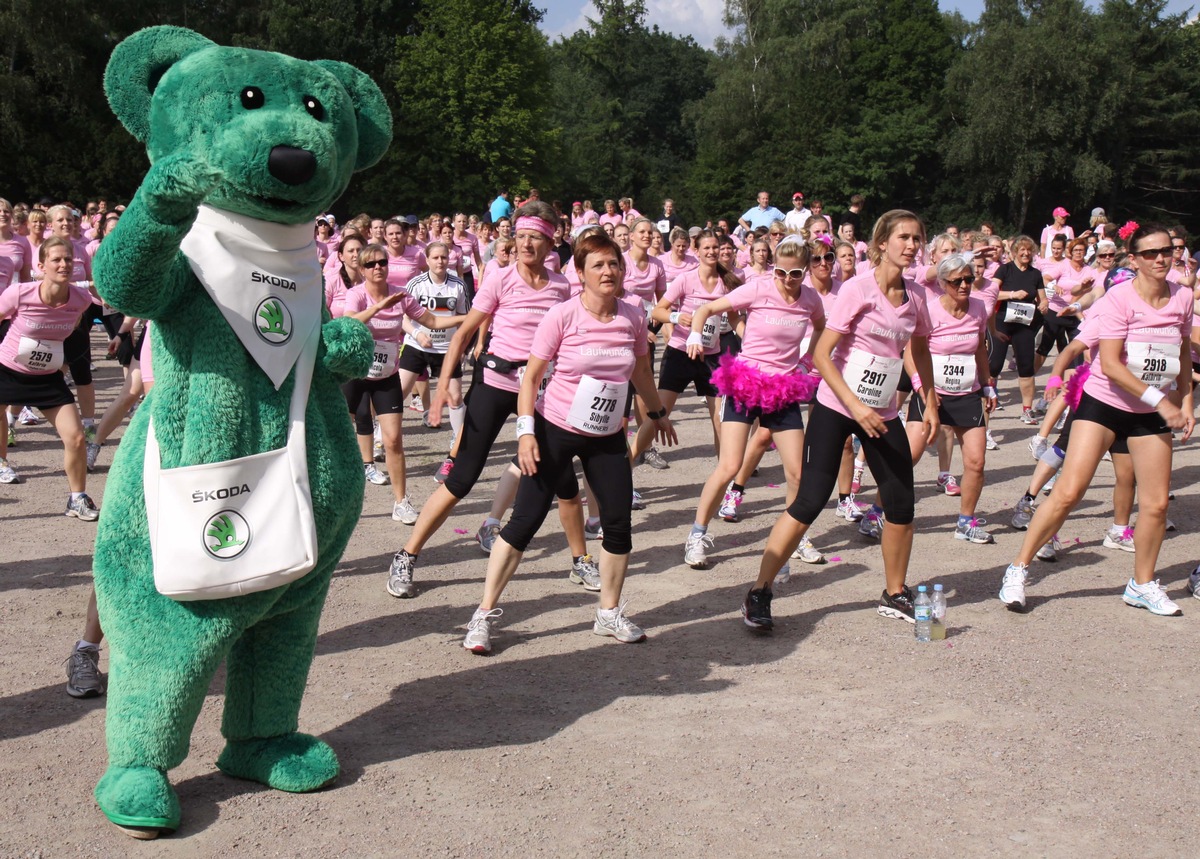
<point x="1039" y="103"/>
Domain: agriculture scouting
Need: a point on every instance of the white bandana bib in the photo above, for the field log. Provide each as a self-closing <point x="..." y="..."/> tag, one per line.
<point x="264" y="278"/>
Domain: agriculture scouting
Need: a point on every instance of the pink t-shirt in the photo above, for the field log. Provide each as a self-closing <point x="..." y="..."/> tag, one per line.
<point x="648" y="284"/>
<point x="405" y="266"/>
<point x="1124" y="316"/>
<point x="1051" y="231"/>
<point x="468" y="246"/>
<point x="516" y="309"/>
<point x="386" y="325"/>
<point x="335" y="293"/>
<point x="775" y="328"/>
<point x="673" y="270"/>
<point x="1069" y="279"/>
<point x="989" y="291"/>
<point x="15" y="254"/>
<point x="82" y="260"/>
<point x="951" y="336"/>
<point x="580" y="345"/>
<point x="686" y="293"/>
<point x="38" y="321"/>
<point x="869" y="322"/>
<point x="613" y="219"/>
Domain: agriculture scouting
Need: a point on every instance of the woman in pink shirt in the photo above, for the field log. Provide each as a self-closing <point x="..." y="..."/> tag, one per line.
<point x="958" y="351"/>
<point x="382" y="307"/>
<point x="597" y="345"/>
<point x="1071" y="280"/>
<point x="760" y="383"/>
<point x="405" y="261"/>
<point x="877" y="315"/>
<point x="611" y="215"/>
<point x="675" y="307"/>
<point x="346" y="276"/>
<point x="1139" y="390"/>
<point x="15" y="253"/>
<point x="511" y="301"/>
<point x="38" y="224"/>
<point x="31" y="359"/>
<point x="679" y="260"/>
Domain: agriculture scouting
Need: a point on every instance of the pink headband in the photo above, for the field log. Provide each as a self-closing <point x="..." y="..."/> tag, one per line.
<point x="530" y="223"/>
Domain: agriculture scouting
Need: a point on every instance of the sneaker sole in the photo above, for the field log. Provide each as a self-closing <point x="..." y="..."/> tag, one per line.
<point x="730" y="518"/>
<point x="71" y="514"/>
<point x="757" y="625"/>
<point x="894" y="613"/>
<point x="404" y="521"/>
<point x="820" y="560"/>
<point x="1136" y="603"/>
<point x="1053" y="559"/>
<point x="1019" y="527"/>
<point x="697" y="565"/>
<point x="976" y="540"/>
<point x="608" y="633"/>
<point x="407" y="595"/>
<point x="579" y="580"/>
<point x="1015" y="607"/>
<point x="478" y="649"/>
<point x="1108" y="544"/>
<point x="76" y="692"/>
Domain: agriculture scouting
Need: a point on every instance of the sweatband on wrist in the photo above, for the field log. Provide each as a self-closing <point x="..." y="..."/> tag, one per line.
<point x="675" y="317"/>
<point x="1054" y="382"/>
<point x="524" y="425"/>
<point x="916" y="381"/>
<point x="1152" y="397"/>
<point x="694" y="339"/>
<point x="989" y="392"/>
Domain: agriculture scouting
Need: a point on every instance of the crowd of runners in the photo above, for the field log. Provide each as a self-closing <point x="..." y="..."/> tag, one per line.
<point x="849" y="350"/>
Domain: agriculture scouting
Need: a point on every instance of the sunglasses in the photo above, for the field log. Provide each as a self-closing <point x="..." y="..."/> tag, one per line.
<point x="370" y="264"/>
<point x="1153" y="253"/>
<point x="968" y="279"/>
<point x="1178" y="247"/>
<point x="1106" y="256"/>
<point x="793" y="274"/>
<point x="827" y="259"/>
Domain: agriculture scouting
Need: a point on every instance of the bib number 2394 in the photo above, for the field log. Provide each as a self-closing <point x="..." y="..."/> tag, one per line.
<point x="872" y="379"/>
<point x="598" y="406"/>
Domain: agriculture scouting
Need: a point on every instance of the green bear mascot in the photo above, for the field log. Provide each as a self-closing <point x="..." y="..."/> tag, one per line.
<point x="238" y="483"/>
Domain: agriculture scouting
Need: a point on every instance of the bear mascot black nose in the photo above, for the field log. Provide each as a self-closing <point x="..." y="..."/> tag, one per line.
<point x="291" y="165"/>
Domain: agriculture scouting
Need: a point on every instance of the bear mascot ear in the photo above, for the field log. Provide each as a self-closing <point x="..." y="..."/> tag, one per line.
<point x="370" y="108"/>
<point x="137" y="65"/>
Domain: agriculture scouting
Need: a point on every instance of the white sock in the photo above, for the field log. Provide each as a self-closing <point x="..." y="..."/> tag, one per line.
<point x="82" y="643"/>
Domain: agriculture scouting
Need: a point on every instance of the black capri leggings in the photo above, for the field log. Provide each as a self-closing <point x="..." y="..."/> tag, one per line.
<point x="1057" y="331"/>
<point x="605" y="464"/>
<point x="384" y="394"/>
<point x="1023" y="338"/>
<point x="77" y="354"/>
<point x="888" y="456"/>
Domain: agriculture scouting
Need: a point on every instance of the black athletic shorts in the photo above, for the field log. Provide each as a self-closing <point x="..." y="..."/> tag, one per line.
<point x="787" y="418"/>
<point x="678" y="371"/>
<point x="1124" y="424"/>
<point x="419" y="361"/>
<point x="961" y="411"/>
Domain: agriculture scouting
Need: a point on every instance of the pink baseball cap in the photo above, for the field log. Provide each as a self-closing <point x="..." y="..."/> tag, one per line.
<point x="798" y="196"/>
<point x="1060" y="212"/>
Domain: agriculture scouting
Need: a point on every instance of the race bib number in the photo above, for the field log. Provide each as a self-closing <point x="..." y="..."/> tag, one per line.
<point x="648" y="306"/>
<point x="383" y="364"/>
<point x="1156" y="364"/>
<point x="953" y="374"/>
<point x="39" y="356"/>
<point x="545" y="383"/>
<point x="598" y="406"/>
<point x="710" y="335"/>
<point x="873" y="379"/>
<point x="1051" y="288"/>
<point x="1020" y="312"/>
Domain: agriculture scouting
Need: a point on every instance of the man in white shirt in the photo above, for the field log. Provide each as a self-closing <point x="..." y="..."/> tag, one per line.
<point x="796" y="218"/>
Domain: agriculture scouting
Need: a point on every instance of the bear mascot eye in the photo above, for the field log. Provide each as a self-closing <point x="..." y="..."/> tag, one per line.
<point x="314" y="108"/>
<point x="252" y="98"/>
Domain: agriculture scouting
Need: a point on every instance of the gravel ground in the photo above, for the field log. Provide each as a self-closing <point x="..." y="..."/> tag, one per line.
<point x="1067" y="731"/>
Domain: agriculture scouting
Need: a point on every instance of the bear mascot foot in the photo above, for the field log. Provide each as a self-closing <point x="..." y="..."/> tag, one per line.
<point x="297" y="763"/>
<point x="139" y="801"/>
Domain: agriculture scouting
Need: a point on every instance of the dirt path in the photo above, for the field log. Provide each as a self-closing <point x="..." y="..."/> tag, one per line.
<point x="1069" y="731"/>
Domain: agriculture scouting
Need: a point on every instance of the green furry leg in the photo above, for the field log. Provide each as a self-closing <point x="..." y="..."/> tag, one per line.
<point x="140" y="800"/>
<point x="297" y="762"/>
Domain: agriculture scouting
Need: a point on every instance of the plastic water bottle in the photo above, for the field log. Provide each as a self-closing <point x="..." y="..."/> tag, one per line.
<point x="938" y="627"/>
<point x="923" y="612"/>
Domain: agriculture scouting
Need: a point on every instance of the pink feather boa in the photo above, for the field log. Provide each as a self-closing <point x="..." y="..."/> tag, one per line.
<point x="1074" y="389"/>
<point x="753" y="388"/>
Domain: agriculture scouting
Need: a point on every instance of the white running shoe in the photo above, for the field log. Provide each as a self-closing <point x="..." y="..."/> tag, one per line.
<point x="730" y="505"/>
<point x="592" y="529"/>
<point x="486" y="536"/>
<point x="82" y="508"/>
<point x="871" y="525"/>
<point x="377" y="453"/>
<point x="1022" y="513"/>
<point x="479" y="630"/>
<point x="374" y="475"/>
<point x="694" y="554"/>
<point x="992" y="444"/>
<point x="1152" y="597"/>
<point x="638" y="502"/>
<point x="7" y="473"/>
<point x="1012" y="589"/>
<point x="403" y="511"/>
<point x="1049" y="552"/>
<point x="27" y="418"/>
<point x="93" y="452"/>
<point x="1193" y="583"/>
<point x="972" y="532"/>
<point x="1122" y="539"/>
<point x="585" y="572"/>
<point x="1037" y="446"/>
<point x="612" y="621"/>
<point x="850" y="510"/>
<point x="807" y="552"/>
